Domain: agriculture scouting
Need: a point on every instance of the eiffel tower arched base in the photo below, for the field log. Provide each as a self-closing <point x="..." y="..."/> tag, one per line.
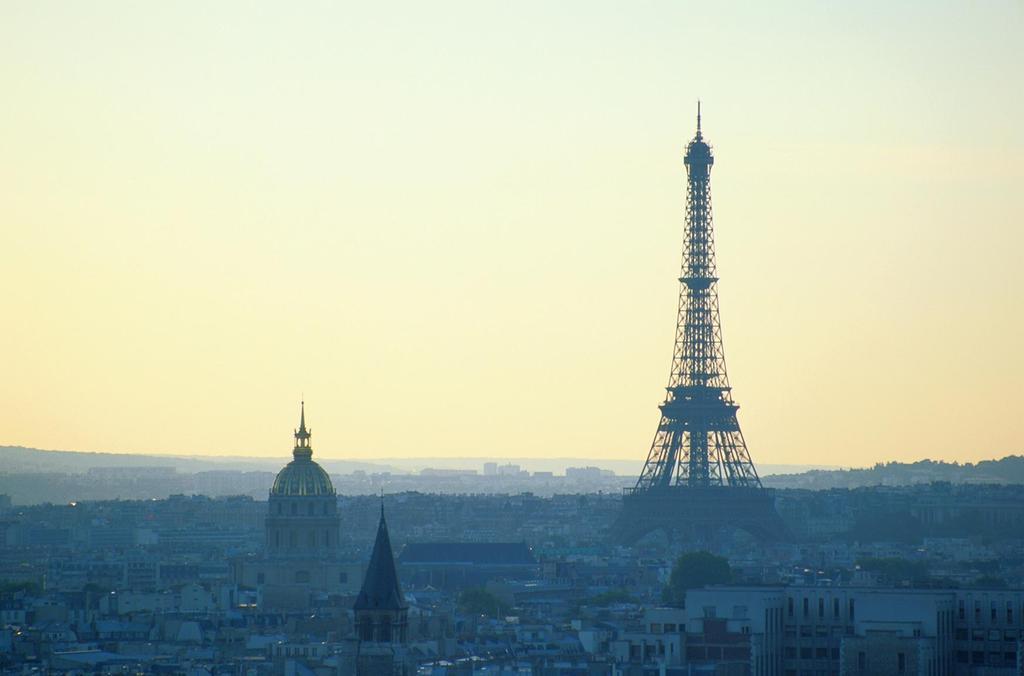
<point x="687" y="510"/>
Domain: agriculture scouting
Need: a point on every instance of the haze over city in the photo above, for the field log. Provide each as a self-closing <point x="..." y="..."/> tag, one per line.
<point x="455" y="230"/>
<point x="511" y="339"/>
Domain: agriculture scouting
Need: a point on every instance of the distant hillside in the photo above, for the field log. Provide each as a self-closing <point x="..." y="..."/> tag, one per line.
<point x="21" y="460"/>
<point x="1008" y="470"/>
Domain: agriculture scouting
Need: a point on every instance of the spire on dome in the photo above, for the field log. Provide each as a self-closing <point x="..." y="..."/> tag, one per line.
<point x="302" y="435"/>
<point x="699" y="135"/>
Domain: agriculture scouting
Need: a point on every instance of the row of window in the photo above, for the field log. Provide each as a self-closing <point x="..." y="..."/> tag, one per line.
<point x="790" y="653"/>
<point x="301" y="577"/>
<point x="311" y="539"/>
<point x="962" y="634"/>
<point x="807" y="630"/>
<point x="994" y="659"/>
<point x="311" y="509"/>
<point x="806" y="608"/>
<point x="993" y="612"/>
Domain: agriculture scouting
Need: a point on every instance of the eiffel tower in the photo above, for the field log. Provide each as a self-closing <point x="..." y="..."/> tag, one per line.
<point x="699" y="476"/>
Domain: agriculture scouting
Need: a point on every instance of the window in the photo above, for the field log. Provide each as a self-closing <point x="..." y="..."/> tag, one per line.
<point x="901" y="663"/>
<point x="342" y="578"/>
<point x="789" y="606"/>
<point x="960" y="609"/>
<point x="862" y="661"/>
<point x="807" y="606"/>
<point x="835" y="608"/>
<point x="992" y="616"/>
<point x="851" y="610"/>
<point x="1009" y="612"/>
<point x="821" y="607"/>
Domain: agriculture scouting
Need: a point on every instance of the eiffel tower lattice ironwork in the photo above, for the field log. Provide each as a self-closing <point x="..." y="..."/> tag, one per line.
<point x="698" y="442"/>
<point x="698" y="471"/>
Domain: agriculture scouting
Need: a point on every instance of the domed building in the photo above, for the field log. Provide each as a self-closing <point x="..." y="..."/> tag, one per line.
<point x="301" y="551"/>
<point x="302" y="520"/>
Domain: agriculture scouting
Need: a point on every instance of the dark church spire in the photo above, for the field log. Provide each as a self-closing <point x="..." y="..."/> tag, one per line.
<point x="381" y="590"/>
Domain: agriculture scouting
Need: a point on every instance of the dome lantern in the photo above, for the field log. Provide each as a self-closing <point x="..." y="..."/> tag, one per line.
<point x="302" y="477"/>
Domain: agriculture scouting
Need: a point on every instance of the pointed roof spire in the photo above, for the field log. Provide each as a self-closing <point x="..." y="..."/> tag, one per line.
<point x="698" y="120"/>
<point x="381" y="590"/>
<point x="302" y="435"/>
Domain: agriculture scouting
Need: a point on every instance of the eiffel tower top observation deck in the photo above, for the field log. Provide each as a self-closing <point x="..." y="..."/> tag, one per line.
<point x="698" y="443"/>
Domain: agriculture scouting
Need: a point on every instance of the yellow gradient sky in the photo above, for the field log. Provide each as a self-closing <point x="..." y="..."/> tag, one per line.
<point x="455" y="227"/>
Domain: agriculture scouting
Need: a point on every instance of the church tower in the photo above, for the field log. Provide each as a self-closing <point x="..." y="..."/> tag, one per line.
<point x="381" y="614"/>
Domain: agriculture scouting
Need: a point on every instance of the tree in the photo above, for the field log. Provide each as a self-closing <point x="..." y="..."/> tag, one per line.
<point x="479" y="601"/>
<point x="693" y="570"/>
<point x="610" y="597"/>
<point x="30" y="587"/>
<point x="899" y="572"/>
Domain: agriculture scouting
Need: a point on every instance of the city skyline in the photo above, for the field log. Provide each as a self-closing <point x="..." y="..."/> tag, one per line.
<point x="458" y="234"/>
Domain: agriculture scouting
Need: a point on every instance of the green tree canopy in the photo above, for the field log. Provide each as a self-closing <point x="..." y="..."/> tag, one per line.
<point x="611" y="597"/>
<point x="479" y="601"/>
<point x="693" y="570"/>
<point x="900" y="572"/>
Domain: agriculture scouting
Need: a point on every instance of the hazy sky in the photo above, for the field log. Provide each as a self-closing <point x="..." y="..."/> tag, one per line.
<point x="455" y="228"/>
